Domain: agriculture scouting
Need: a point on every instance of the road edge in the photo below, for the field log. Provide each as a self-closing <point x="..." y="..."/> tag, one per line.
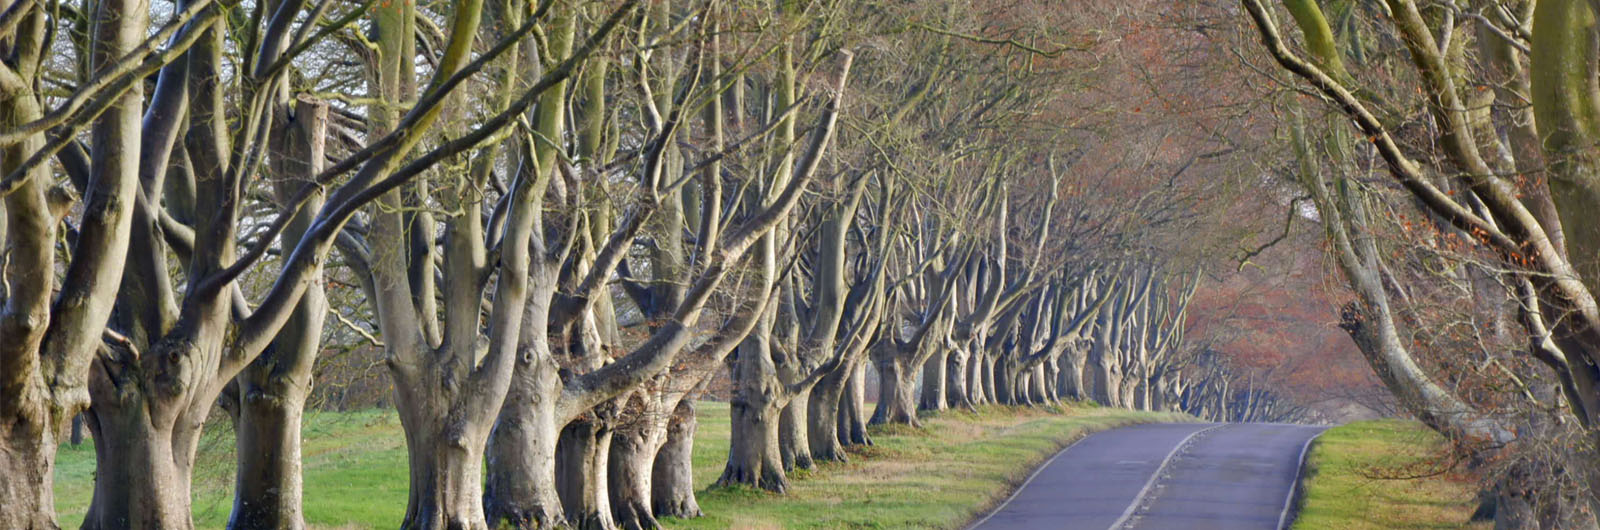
<point x="1297" y="490"/>
<point x="983" y="515"/>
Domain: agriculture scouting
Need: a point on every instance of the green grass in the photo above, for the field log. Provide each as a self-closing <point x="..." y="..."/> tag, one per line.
<point x="1383" y="474"/>
<point x="940" y="476"/>
<point x="355" y="473"/>
<point x="958" y="466"/>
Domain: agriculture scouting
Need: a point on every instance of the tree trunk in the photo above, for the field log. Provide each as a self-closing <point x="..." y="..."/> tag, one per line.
<point x="1107" y="391"/>
<point x="955" y="385"/>
<point x="1052" y="376"/>
<point x="753" y="456"/>
<point x="1158" y="395"/>
<point x="267" y="488"/>
<point x="822" y="416"/>
<point x="1005" y="383"/>
<point x="273" y="389"/>
<point x="852" y="409"/>
<point x="27" y="460"/>
<point x="446" y="478"/>
<point x="521" y="487"/>
<point x="672" y="475"/>
<point x="933" y="381"/>
<point x="794" y="444"/>
<point x="27" y="421"/>
<point x="990" y="372"/>
<point x="632" y="463"/>
<point x="1037" y="394"/>
<point x="141" y="475"/>
<point x="1071" y="379"/>
<point x="582" y="454"/>
<point x="897" y="401"/>
<point x="977" y="368"/>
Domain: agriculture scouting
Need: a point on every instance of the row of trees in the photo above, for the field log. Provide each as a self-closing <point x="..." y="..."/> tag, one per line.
<point x="560" y="220"/>
<point x="1472" y="261"/>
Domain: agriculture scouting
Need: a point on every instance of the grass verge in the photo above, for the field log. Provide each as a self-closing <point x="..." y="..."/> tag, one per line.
<point x="959" y="465"/>
<point x="940" y="476"/>
<point x="1382" y="474"/>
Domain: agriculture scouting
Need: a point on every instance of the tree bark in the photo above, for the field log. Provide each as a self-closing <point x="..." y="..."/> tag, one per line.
<point x="794" y="444"/>
<point x="672" y="475"/>
<point x="1037" y="393"/>
<point x="27" y="423"/>
<point x="582" y="455"/>
<point x="635" y="445"/>
<point x="521" y="486"/>
<point x="753" y="457"/>
<point x="897" y="399"/>
<point x="823" y="418"/>
<point x="446" y="472"/>
<point x="138" y="482"/>
<point x="852" y="409"/>
<point x="273" y="389"/>
<point x="978" y="369"/>
<point x="27" y="460"/>
<point x="1071" y="380"/>
<point x="955" y="386"/>
<point x="933" y="381"/>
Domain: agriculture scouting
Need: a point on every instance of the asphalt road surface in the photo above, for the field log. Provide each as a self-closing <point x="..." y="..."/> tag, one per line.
<point x="1168" y="476"/>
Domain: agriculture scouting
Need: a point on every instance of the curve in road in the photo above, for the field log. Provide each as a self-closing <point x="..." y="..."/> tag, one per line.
<point x="1163" y="476"/>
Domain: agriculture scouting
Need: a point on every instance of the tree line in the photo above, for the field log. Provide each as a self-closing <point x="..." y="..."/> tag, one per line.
<point x="557" y="221"/>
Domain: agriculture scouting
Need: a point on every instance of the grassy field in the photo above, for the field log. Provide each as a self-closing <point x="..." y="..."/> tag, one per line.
<point x="1382" y="474"/>
<point x="959" y="464"/>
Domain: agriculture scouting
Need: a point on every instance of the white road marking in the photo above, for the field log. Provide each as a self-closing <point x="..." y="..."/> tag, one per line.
<point x="1137" y="499"/>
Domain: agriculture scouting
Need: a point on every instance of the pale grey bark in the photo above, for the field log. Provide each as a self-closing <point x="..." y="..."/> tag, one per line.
<point x="273" y="389"/>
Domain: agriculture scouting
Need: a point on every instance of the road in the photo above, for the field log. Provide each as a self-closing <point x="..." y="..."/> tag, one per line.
<point x="1167" y="476"/>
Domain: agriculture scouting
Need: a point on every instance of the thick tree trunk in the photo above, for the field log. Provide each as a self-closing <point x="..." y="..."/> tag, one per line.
<point x="1052" y="376"/>
<point x="267" y="488"/>
<point x="933" y="381"/>
<point x="582" y="456"/>
<point x="1037" y="394"/>
<point x="27" y="461"/>
<point x="1107" y="388"/>
<point x="672" y="475"/>
<point x="1071" y="379"/>
<point x="1137" y="389"/>
<point x="822" y="416"/>
<point x="273" y="389"/>
<point x="753" y="458"/>
<point x="27" y="424"/>
<point x="1158" y="395"/>
<point x="632" y="463"/>
<point x="794" y="446"/>
<point x="897" y="401"/>
<point x="521" y="486"/>
<point x="141" y="475"/>
<point x="955" y="385"/>
<point x="446" y="479"/>
<point x="978" y="368"/>
<point x="1005" y="383"/>
<point x="990" y="372"/>
<point x="852" y="409"/>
